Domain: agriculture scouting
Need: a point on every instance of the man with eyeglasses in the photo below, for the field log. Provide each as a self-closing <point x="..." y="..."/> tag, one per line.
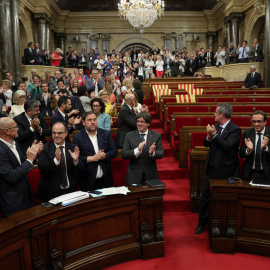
<point x="59" y="165"/>
<point x="142" y="147"/>
<point x="15" y="191"/>
<point x="255" y="149"/>
<point x="222" y="162"/>
<point x="127" y="119"/>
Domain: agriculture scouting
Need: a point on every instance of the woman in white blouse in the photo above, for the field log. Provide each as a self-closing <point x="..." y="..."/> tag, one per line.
<point x="19" y="99"/>
<point x="6" y="85"/>
<point x="159" y="67"/>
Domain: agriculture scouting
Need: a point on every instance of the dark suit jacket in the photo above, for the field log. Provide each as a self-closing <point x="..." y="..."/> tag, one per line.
<point x="143" y="163"/>
<point x="250" y="82"/>
<point x="76" y="104"/>
<point x="126" y="123"/>
<point x="73" y="62"/>
<point x="57" y="117"/>
<point x="223" y="153"/>
<point x="249" y="159"/>
<point x="175" y="68"/>
<point x="25" y="138"/>
<point x="15" y="190"/>
<point x="192" y="65"/>
<point x="44" y="109"/>
<point x="139" y="93"/>
<point x="211" y="58"/>
<point x="259" y="51"/>
<point x="49" y="185"/>
<point x="105" y="142"/>
<point x="40" y="58"/>
<point x="28" y="56"/>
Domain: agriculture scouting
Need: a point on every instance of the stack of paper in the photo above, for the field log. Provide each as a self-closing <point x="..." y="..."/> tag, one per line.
<point x="115" y="190"/>
<point x="70" y="198"/>
<point x="258" y="185"/>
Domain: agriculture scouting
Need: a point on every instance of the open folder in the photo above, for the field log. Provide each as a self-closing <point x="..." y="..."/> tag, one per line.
<point x="70" y="198"/>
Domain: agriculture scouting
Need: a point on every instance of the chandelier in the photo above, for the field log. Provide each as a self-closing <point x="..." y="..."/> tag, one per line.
<point x="141" y="13"/>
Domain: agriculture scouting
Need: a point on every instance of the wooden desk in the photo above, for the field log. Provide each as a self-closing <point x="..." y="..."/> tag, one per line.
<point x="91" y="234"/>
<point x="240" y="218"/>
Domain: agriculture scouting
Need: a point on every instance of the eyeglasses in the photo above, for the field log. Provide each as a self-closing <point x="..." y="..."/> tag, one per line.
<point x="141" y="122"/>
<point x="58" y="133"/>
<point x="10" y="127"/>
<point x="257" y="121"/>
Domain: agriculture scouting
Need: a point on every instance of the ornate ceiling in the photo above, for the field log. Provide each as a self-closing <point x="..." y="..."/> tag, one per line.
<point x="111" y="5"/>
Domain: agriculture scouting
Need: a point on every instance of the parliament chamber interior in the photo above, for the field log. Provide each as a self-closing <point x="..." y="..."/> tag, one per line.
<point x="194" y="75"/>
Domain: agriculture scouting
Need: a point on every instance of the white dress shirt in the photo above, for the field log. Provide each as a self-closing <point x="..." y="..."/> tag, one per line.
<point x="95" y="145"/>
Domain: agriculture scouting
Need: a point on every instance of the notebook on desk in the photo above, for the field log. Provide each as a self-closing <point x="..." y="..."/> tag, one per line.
<point x="155" y="183"/>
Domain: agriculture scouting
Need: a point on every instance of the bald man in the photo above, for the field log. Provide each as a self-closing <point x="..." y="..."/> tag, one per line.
<point x="15" y="191"/>
<point x="127" y="119"/>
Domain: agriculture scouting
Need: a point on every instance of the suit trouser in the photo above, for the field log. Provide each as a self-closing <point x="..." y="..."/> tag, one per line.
<point x="205" y="196"/>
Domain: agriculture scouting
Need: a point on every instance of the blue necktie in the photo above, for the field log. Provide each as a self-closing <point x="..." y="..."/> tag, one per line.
<point x="143" y="139"/>
<point x="258" y="154"/>
<point x="243" y="52"/>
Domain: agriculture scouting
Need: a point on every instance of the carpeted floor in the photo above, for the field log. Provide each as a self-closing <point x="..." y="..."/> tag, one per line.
<point x="183" y="249"/>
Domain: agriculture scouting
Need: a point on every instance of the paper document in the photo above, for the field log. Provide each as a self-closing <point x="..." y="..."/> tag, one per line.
<point x="70" y="198"/>
<point x="115" y="190"/>
<point x="258" y="185"/>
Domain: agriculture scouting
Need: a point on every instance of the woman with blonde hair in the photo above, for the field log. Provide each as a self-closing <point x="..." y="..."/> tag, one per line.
<point x="76" y="75"/>
<point x="110" y="88"/>
<point x="109" y="107"/>
<point x="6" y="90"/>
<point x="126" y="88"/>
<point x="19" y="99"/>
<point x="74" y="87"/>
<point x="56" y="57"/>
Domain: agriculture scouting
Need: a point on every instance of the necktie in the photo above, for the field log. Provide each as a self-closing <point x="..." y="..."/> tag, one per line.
<point x="63" y="169"/>
<point x="252" y="75"/>
<point x="133" y="112"/>
<point x="143" y="139"/>
<point x="258" y="154"/>
<point x="243" y="53"/>
<point x="219" y="131"/>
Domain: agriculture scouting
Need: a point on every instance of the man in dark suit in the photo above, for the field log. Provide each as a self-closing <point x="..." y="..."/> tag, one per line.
<point x="32" y="125"/>
<point x="94" y="84"/>
<point x="59" y="165"/>
<point x="223" y="139"/>
<point x="29" y="54"/>
<point x="209" y="57"/>
<point x="255" y="149"/>
<point x="127" y="119"/>
<point x="15" y="191"/>
<point x="45" y="100"/>
<point x="191" y="65"/>
<point x="64" y="105"/>
<point x="253" y="79"/>
<point x="76" y="103"/>
<point x="142" y="147"/>
<point x="97" y="149"/>
<point x="257" y="51"/>
<point x="40" y="56"/>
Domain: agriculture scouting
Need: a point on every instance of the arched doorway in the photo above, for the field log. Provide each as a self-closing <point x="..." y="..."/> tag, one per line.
<point x="258" y="30"/>
<point x="138" y="46"/>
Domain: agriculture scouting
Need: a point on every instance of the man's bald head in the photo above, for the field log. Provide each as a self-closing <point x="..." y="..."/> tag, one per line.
<point x="8" y="129"/>
<point x="130" y="99"/>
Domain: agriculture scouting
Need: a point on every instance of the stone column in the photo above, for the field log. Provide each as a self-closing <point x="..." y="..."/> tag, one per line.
<point x="105" y="42"/>
<point x="48" y="37"/>
<point x="235" y="19"/>
<point x="6" y="38"/>
<point x="61" y="40"/>
<point x="167" y="41"/>
<point x="16" y="39"/>
<point x="228" y="31"/>
<point x="178" y="41"/>
<point x="267" y="45"/>
<point x="94" y="40"/>
<point x="41" y="28"/>
<point x="210" y="38"/>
